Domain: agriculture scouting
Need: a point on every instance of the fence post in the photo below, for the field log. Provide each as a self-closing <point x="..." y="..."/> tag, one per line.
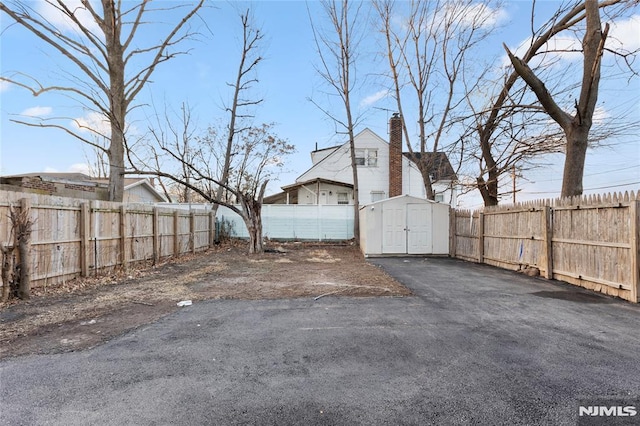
<point x="547" y="221"/>
<point x="85" y="234"/>
<point x="635" y="239"/>
<point x="123" y="235"/>
<point x="481" y="238"/>
<point x="156" y="236"/>
<point x="452" y="232"/>
<point x="93" y="230"/>
<point x="192" y="231"/>
<point x="176" y="233"/>
<point x="212" y="228"/>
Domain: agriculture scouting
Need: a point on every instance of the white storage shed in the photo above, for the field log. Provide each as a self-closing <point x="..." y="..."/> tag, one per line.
<point x="404" y="225"/>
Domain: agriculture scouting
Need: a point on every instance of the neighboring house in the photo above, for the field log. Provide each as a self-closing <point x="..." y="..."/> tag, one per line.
<point x="79" y="185"/>
<point x="384" y="171"/>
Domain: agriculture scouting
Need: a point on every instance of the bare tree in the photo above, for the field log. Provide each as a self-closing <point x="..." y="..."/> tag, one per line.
<point x="104" y="48"/>
<point x="429" y="56"/>
<point x="258" y="157"/>
<point x="231" y="164"/>
<point x="337" y="48"/>
<point x="245" y="79"/>
<point x="175" y="131"/>
<point x="506" y="109"/>
<point x="576" y="127"/>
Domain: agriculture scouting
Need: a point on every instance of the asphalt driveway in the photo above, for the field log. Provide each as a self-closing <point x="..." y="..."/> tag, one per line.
<point x="475" y="345"/>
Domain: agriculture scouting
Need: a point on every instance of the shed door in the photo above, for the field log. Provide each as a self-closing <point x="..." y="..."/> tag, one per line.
<point x="419" y="233"/>
<point x="394" y="238"/>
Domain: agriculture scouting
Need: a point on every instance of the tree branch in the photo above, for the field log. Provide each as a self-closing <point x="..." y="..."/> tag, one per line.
<point x="538" y="87"/>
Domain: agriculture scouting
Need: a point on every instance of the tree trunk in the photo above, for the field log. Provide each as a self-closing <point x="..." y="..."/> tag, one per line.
<point x="578" y="132"/>
<point x="425" y="166"/>
<point x="6" y="272"/>
<point x="356" y="191"/>
<point x="577" y="142"/>
<point x="116" y="166"/>
<point x="22" y="224"/>
<point x="117" y="100"/>
<point x="252" y="216"/>
<point x="488" y="189"/>
<point x="24" y="250"/>
<point x="255" y="236"/>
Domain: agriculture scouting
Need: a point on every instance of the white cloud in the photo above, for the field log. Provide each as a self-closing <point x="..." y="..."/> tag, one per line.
<point x="372" y="99"/>
<point x="478" y="15"/>
<point x="37" y="111"/>
<point x="93" y="122"/>
<point x="600" y="115"/>
<point x="559" y="48"/>
<point x="625" y="35"/>
<point x="481" y="13"/>
<point x="74" y="168"/>
<point x="4" y="86"/>
<point x="97" y="124"/>
<point x="80" y="168"/>
<point x="60" y="20"/>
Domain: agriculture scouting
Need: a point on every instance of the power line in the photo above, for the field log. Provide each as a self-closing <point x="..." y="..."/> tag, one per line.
<point x="616" y="170"/>
<point x="592" y="174"/>
<point x="587" y="189"/>
<point x="614" y="186"/>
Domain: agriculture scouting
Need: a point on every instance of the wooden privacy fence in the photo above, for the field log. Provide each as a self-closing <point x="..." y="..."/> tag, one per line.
<point x="72" y="237"/>
<point x="589" y="241"/>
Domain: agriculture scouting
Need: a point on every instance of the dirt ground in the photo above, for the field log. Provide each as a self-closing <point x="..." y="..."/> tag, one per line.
<point x="85" y="312"/>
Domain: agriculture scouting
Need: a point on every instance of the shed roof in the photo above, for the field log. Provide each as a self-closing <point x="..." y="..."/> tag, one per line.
<point x="409" y="198"/>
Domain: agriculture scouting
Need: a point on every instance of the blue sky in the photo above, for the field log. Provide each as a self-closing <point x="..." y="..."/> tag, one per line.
<point x="287" y="81"/>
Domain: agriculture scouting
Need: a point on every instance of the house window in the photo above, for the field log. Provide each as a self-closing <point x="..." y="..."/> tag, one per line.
<point x="439" y="198"/>
<point x="377" y="196"/>
<point x="343" y="198"/>
<point x="372" y="157"/>
<point x="367" y="157"/>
